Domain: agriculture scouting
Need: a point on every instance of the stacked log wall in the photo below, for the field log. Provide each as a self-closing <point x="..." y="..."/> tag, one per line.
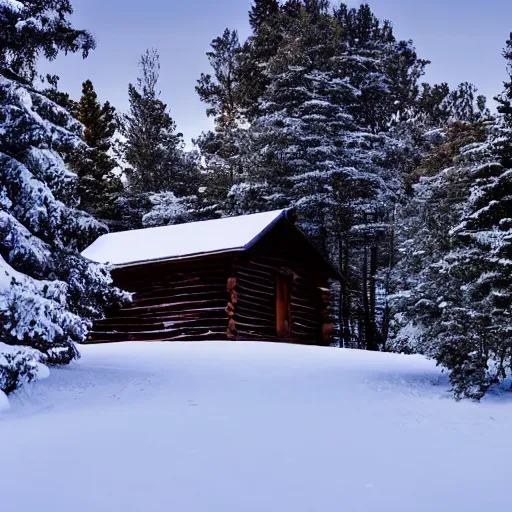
<point x="283" y="251"/>
<point x="175" y="301"/>
<point x="255" y="313"/>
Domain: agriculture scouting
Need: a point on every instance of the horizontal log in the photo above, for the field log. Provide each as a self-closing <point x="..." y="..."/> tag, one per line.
<point x="152" y="335"/>
<point x="298" y="267"/>
<point x="302" y="306"/>
<point x="271" y="269"/>
<point x="181" y="306"/>
<point x="159" y="317"/>
<point x="149" y="285"/>
<point x="196" y="322"/>
<point x="185" y="313"/>
<point x="169" y="280"/>
<point x="143" y="326"/>
<point x="308" y="303"/>
<point x="268" y="295"/>
<point x="259" y="275"/>
<point x="247" y="322"/>
<point x="306" y="316"/>
<point x="255" y="303"/>
<point x="173" y="268"/>
<point x="160" y="291"/>
<point x="149" y="282"/>
<point x="269" y="320"/>
<point x="206" y="294"/>
<point x="308" y="333"/>
<point x="220" y="336"/>
<point x="253" y="270"/>
<point x="310" y="322"/>
<point x="122" y="327"/>
<point x="242" y="323"/>
<point x="253" y="283"/>
<point x="246" y="309"/>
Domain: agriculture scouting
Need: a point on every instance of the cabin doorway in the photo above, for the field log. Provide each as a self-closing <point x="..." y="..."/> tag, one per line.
<point x="284" y="284"/>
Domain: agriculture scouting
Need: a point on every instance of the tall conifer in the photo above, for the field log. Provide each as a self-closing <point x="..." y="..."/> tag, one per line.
<point x="93" y="164"/>
<point x="153" y="147"/>
<point x="48" y="292"/>
<point x="505" y="109"/>
<point x="261" y="11"/>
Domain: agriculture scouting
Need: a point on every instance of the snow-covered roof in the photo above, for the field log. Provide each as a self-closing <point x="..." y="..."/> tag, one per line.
<point x="181" y="240"/>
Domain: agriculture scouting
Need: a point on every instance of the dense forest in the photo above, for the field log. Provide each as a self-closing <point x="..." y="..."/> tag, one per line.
<point x="404" y="185"/>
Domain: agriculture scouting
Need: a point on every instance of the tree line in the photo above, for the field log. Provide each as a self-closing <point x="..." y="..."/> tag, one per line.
<point x="404" y="185"/>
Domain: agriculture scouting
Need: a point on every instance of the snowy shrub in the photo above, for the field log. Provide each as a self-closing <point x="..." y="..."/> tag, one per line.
<point x="19" y="366"/>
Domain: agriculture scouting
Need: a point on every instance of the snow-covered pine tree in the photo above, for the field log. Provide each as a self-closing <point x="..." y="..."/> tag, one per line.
<point x="167" y="209"/>
<point x="92" y="163"/>
<point x="476" y="333"/>
<point x="33" y="28"/>
<point x="304" y="117"/>
<point x="424" y="221"/>
<point x="268" y="28"/>
<point x="319" y="142"/>
<point x="153" y="147"/>
<point x="453" y="279"/>
<point x="504" y="101"/>
<point x="48" y="293"/>
<point x="221" y="91"/>
<point x="465" y="105"/>
<point x="261" y="11"/>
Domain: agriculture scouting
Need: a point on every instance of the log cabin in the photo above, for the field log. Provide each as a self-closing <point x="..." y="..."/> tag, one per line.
<point x="253" y="277"/>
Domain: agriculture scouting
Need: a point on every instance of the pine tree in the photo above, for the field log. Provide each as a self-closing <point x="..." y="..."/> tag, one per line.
<point x="453" y="279"/>
<point x="432" y="109"/>
<point x="36" y="28"/>
<point x="293" y="8"/>
<point x="93" y="164"/>
<point x="221" y="91"/>
<point x="61" y="98"/>
<point x="168" y="209"/>
<point x="48" y="293"/>
<point x="466" y="106"/>
<point x="335" y="85"/>
<point x="261" y="11"/>
<point x="153" y="148"/>
<point x="425" y="218"/>
<point x="153" y="151"/>
<point x="505" y="109"/>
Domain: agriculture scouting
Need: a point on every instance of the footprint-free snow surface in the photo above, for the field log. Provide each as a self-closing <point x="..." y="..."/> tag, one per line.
<point x="238" y="427"/>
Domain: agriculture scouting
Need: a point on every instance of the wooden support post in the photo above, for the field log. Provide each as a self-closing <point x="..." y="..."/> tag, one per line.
<point x="230" y="309"/>
<point x="328" y="326"/>
<point x="284" y="286"/>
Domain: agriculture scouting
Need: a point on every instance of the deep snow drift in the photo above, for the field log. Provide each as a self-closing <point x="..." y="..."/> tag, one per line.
<point x="235" y="427"/>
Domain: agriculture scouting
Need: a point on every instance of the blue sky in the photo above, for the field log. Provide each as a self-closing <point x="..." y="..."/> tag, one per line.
<point x="462" y="38"/>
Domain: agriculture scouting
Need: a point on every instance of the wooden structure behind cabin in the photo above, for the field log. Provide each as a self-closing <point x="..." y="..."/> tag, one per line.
<point x="263" y="281"/>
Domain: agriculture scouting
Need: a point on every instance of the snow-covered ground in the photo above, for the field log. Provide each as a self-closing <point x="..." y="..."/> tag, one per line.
<point x="235" y="427"/>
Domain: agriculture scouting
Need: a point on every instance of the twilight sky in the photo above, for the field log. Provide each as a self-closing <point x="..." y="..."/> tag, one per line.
<point x="462" y="38"/>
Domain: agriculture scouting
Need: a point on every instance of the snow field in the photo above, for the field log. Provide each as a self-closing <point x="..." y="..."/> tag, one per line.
<point x="251" y="427"/>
